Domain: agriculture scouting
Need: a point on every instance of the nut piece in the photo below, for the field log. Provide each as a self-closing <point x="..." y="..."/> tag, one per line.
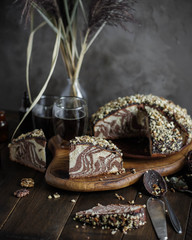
<point x="56" y="195"/>
<point x="119" y="196"/>
<point x="21" y="193"/>
<point x="27" y="182"/>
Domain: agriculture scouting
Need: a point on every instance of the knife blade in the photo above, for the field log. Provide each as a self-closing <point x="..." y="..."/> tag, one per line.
<point x="156" y="209"/>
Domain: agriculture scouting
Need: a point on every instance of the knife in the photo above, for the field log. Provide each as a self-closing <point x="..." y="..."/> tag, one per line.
<point x="156" y="209"/>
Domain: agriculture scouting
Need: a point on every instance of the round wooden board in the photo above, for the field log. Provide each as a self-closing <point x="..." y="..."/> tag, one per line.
<point x="57" y="172"/>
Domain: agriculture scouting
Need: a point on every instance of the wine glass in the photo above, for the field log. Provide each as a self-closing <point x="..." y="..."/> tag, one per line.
<point x="42" y="115"/>
<point x="70" y="116"/>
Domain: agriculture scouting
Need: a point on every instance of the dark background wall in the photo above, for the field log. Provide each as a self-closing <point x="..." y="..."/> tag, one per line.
<point x="154" y="56"/>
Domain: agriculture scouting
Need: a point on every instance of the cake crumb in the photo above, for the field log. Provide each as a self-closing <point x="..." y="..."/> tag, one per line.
<point x="173" y="190"/>
<point x="73" y="200"/>
<point x="140" y="195"/>
<point x="119" y="196"/>
<point x="133" y="170"/>
<point x="56" y="195"/>
<point x="131" y="202"/>
<point x="113" y="232"/>
<point x="49" y="197"/>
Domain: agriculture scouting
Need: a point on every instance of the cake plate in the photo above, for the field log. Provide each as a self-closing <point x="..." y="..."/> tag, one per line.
<point x="57" y="174"/>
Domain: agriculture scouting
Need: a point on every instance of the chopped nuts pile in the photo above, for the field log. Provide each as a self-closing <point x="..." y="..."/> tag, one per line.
<point x="157" y="190"/>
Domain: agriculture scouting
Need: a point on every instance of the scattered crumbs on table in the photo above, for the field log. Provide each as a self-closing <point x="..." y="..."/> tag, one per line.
<point x="56" y="195"/>
<point x="73" y="200"/>
<point x="167" y="179"/>
<point x="140" y="194"/>
<point x="189" y="174"/>
<point x="132" y="170"/>
<point x="131" y="202"/>
<point x="113" y="232"/>
<point x="49" y="197"/>
<point x="119" y="196"/>
<point x="173" y="190"/>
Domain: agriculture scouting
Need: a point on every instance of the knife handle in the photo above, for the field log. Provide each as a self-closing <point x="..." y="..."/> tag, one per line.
<point x="174" y="220"/>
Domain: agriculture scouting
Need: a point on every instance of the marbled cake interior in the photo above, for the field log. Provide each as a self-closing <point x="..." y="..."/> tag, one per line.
<point x="29" y="149"/>
<point x="167" y="126"/>
<point x="87" y="160"/>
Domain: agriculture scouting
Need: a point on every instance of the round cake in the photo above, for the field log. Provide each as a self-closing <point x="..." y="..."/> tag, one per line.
<point x="167" y="126"/>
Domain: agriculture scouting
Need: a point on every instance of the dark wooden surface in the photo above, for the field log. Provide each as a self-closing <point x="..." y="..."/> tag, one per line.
<point x="35" y="217"/>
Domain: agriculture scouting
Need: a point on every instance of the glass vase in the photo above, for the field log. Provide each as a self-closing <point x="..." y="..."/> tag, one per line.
<point x="73" y="88"/>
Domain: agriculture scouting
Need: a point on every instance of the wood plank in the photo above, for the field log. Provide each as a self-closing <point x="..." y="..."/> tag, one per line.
<point x="36" y="216"/>
<point x="189" y="226"/>
<point x="180" y="203"/>
<point x="11" y="175"/>
<point x="89" y="200"/>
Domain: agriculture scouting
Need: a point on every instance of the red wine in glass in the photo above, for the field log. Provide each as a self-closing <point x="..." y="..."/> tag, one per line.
<point x="70" y="117"/>
<point x="46" y="124"/>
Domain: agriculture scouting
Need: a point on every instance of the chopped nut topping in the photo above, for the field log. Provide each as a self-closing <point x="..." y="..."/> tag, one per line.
<point x="157" y="190"/>
<point x="35" y="133"/>
<point x="96" y="141"/>
<point x="170" y="125"/>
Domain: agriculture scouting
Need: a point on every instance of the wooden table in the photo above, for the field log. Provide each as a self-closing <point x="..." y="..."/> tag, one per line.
<point x="35" y="217"/>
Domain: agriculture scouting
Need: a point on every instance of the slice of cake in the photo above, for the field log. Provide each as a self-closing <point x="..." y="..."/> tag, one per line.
<point x="29" y="149"/>
<point x="167" y="126"/>
<point x="120" y="216"/>
<point x="93" y="156"/>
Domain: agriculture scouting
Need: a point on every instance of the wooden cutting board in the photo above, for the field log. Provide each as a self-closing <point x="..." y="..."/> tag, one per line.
<point x="57" y="172"/>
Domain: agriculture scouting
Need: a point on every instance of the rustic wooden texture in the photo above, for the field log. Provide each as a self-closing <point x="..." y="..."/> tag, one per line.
<point x="36" y="217"/>
<point x="57" y="172"/>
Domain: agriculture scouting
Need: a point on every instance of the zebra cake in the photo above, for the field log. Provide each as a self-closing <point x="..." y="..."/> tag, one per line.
<point x="93" y="156"/>
<point x="116" y="216"/>
<point x="29" y="149"/>
<point x="167" y="126"/>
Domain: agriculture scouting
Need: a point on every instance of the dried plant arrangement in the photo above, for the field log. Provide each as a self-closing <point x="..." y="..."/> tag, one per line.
<point x="76" y="23"/>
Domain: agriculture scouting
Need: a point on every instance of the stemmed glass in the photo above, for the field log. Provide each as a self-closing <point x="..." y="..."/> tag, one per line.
<point x="70" y="117"/>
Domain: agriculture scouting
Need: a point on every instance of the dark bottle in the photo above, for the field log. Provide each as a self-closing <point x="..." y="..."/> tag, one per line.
<point x="27" y="124"/>
<point x="3" y="127"/>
